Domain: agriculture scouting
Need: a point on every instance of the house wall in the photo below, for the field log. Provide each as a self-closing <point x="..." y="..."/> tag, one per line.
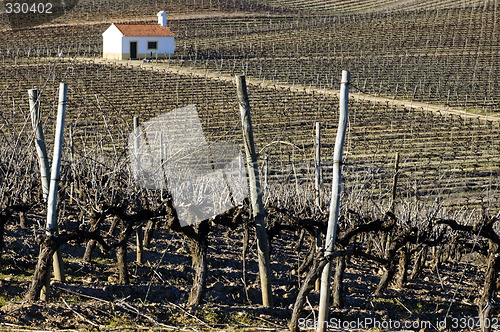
<point x="111" y="43"/>
<point x="166" y="45"/>
<point x="117" y="46"/>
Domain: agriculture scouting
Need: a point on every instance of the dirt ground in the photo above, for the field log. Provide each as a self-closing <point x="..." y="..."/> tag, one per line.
<point x="156" y="298"/>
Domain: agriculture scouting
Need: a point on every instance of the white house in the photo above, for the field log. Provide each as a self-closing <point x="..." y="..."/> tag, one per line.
<point x="125" y="41"/>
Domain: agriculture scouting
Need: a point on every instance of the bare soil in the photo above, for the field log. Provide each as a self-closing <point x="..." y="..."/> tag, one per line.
<point x="90" y="299"/>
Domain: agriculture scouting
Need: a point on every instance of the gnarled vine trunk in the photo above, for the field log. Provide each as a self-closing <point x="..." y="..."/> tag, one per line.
<point x="318" y="264"/>
<point x="121" y="254"/>
<point x="198" y="247"/>
<point x="151" y="226"/>
<point x="22" y="220"/>
<point x="386" y="278"/>
<point x="419" y="263"/>
<point x="43" y="268"/>
<point x="338" y="282"/>
<point x="311" y="253"/>
<point x="404" y="261"/>
<point x="95" y="223"/>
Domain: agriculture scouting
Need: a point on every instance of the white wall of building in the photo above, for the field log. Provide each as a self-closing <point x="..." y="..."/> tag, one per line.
<point x="166" y="45"/>
<point x="111" y="41"/>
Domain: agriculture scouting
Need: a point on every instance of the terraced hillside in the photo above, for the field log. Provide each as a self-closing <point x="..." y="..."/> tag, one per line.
<point x="365" y="6"/>
<point x="446" y="57"/>
<point x="97" y="11"/>
<point x="465" y="172"/>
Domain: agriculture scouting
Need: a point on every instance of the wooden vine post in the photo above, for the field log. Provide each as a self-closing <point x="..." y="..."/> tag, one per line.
<point x="317" y="165"/>
<point x="72" y="161"/>
<point x="49" y="189"/>
<point x="258" y="211"/>
<point x="43" y="160"/>
<point x="40" y="146"/>
<point x="54" y="179"/>
<point x="394" y="183"/>
<point x="334" y="204"/>
<point x="317" y="186"/>
<point x="138" y="231"/>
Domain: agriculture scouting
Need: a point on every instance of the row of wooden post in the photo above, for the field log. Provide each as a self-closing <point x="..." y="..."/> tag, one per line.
<point x="258" y="211"/>
<point x="256" y="194"/>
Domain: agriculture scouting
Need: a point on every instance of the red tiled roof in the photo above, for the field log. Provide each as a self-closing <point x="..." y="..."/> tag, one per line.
<point x="139" y="30"/>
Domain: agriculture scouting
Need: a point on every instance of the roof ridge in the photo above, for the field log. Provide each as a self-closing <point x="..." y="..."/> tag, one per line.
<point x="135" y="29"/>
<point x="136" y="23"/>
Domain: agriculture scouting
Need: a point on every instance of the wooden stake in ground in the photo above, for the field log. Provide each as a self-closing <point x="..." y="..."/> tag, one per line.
<point x="258" y="211"/>
<point x="394" y="183"/>
<point x="138" y="230"/>
<point x="40" y="146"/>
<point x="317" y="162"/>
<point x="54" y="179"/>
<point x="43" y="161"/>
<point x="334" y="204"/>
<point x="317" y="186"/>
<point x="50" y="197"/>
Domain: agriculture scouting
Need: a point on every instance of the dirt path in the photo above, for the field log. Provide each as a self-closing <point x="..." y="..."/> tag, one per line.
<point x="441" y="109"/>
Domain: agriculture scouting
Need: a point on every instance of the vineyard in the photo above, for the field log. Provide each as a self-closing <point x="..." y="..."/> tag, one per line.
<point x="347" y="7"/>
<point x="445" y="56"/>
<point x="417" y="244"/>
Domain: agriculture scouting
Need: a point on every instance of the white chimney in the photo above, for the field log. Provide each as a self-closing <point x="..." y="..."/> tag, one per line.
<point x="162" y="18"/>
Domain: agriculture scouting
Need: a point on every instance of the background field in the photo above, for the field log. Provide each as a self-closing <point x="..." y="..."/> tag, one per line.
<point x="440" y="55"/>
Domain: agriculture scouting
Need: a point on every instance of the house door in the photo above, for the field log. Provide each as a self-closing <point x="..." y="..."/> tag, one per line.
<point x="133" y="50"/>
